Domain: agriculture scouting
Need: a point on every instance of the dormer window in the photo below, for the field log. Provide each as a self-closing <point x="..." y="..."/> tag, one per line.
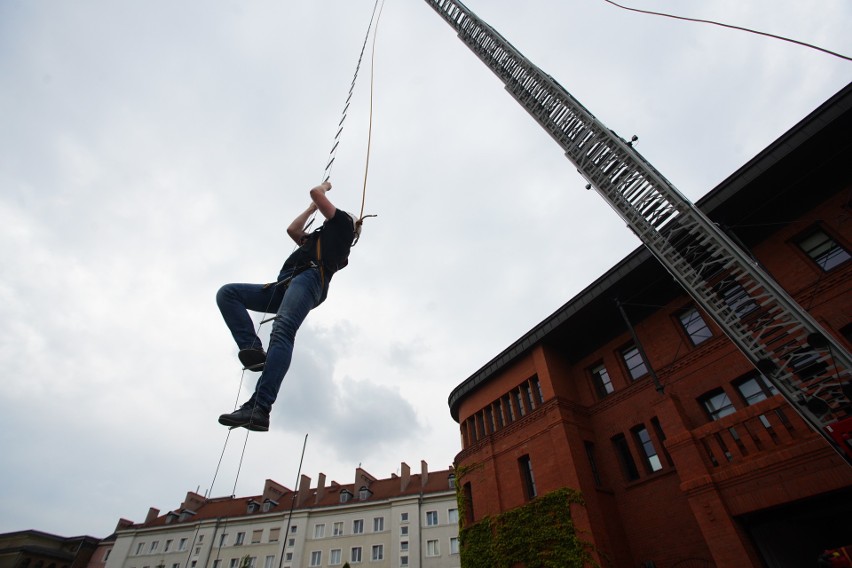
<point x="171" y="516"/>
<point x="345" y="496"/>
<point x="268" y="504"/>
<point x="185" y="514"/>
<point x="364" y="493"/>
<point x="253" y="506"/>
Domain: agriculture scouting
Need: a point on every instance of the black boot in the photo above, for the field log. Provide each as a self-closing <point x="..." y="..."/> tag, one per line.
<point x="252" y="359"/>
<point x="248" y="416"/>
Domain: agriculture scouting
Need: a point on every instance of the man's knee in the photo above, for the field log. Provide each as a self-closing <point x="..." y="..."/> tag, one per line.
<point x="224" y="294"/>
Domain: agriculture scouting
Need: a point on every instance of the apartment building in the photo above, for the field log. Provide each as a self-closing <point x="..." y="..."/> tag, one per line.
<point x="37" y="549"/>
<point x="685" y="455"/>
<point x="405" y="521"/>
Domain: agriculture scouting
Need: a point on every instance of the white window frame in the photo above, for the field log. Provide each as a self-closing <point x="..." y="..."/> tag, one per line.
<point x="431" y="518"/>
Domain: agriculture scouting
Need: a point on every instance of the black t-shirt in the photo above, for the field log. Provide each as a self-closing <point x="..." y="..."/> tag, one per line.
<point x="328" y="246"/>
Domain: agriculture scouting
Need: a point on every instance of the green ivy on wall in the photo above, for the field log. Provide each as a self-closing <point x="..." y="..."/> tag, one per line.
<point x="539" y="534"/>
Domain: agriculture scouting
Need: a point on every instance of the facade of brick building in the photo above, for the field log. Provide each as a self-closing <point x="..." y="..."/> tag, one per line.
<point x="408" y="520"/>
<point x="684" y="454"/>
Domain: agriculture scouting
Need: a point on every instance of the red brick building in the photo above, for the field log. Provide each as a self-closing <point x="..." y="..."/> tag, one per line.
<point x="684" y="454"/>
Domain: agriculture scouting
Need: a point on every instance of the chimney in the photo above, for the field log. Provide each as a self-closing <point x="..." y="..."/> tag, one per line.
<point x="320" y="488"/>
<point x="192" y="502"/>
<point x="424" y="473"/>
<point x="152" y="514"/>
<point x="405" y="476"/>
<point x="304" y="489"/>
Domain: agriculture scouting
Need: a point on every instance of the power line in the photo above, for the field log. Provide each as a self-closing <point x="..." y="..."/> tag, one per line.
<point x="733" y="27"/>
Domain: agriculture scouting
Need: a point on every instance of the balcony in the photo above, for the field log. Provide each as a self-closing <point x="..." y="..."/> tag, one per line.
<point x="754" y="432"/>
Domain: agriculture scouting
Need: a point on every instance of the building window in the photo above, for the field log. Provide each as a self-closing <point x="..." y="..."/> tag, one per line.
<point x="527" y="477"/>
<point x="291" y="542"/>
<point x="403" y="517"/>
<point x="345" y="496"/>
<point x="358" y="526"/>
<point x="222" y="539"/>
<point x="355" y="554"/>
<point x="431" y="518"/>
<point x="521" y="409"/>
<point x="823" y="250"/>
<point x="695" y="326"/>
<point x="454" y="545"/>
<point x="334" y="557"/>
<point x="619" y="442"/>
<point x="337" y="529"/>
<point x="510" y="412"/>
<point x="498" y="413"/>
<point x="593" y="463"/>
<point x="717" y="404"/>
<point x="316" y="558"/>
<point x="168" y="545"/>
<point x="269" y="562"/>
<point x="601" y="381"/>
<point x="635" y="363"/>
<point x="154" y="546"/>
<point x="256" y="536"/>
<point x="537" y="392"/>
<point x="139" y="548"/>
<point x="217" y="563"/>
<point x="241" y="538"/>
<point x="480" y="426"/>
<point x="432" y="548"/>
<point x="403" y="560"/>
<point x="453" y="516"/>
<point x="378" y="524"/>
<point x="182" y="544"/>
<point x="403" y="531"/>
<point x="274" y="534"/>
<point x="643" y="438"/>
<point x="364" y="493"/>
<point x="234" y="562"/>
<point x="319" y="530"/>
<point x="529" y="400"/>
<point x="661" y="436"/>
<point x="755" y="388"/>
<point x="403" y="546"/>
<point x="378" y="552"/>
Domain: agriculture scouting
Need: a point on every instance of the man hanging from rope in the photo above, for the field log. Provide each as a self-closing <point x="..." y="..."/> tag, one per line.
<point x="301" y="286"/>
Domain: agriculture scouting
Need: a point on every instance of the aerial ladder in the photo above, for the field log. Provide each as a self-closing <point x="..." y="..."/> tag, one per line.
<point x="807" y="365"/>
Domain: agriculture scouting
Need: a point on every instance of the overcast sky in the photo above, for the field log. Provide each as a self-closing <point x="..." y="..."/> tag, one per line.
<point x="152" y="151"/>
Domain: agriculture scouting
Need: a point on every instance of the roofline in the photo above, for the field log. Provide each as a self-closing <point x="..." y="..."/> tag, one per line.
<point x="793" y="138"/>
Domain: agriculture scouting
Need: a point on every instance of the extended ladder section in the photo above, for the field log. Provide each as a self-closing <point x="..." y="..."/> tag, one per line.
<point x="805" y="363"/>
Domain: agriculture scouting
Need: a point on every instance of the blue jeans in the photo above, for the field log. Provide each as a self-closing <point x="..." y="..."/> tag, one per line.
<point x="291" y="305"/>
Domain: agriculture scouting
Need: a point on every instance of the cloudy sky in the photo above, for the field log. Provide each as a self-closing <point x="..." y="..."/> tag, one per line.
<point x="152" y="151"/>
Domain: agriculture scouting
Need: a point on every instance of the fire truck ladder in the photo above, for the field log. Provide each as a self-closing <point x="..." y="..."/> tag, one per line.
<point x="806" y="364"/>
